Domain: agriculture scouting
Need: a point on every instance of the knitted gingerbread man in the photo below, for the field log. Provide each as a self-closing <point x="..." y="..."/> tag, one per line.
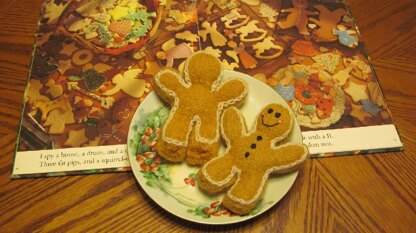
<point x="197" y="99"/>
<point x="251" y="156"/>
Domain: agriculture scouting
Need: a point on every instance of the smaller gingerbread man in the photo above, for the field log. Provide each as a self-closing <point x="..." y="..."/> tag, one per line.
<point x="251" y="156"/>
<point x="197" y="99"/>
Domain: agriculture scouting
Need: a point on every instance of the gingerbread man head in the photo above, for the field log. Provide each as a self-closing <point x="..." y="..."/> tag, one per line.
<point x="204" y="69"/>
<point x="274" y="121"/>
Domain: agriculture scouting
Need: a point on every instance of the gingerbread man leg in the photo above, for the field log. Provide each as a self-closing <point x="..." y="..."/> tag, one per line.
<point x="216" y="175"/>
<point x="285" y="24"/>
<point x="175" y="137"/>
<point x="207" y="128"/>
<point x="301" y="26"/>
<point x="243" y="195"/>
<point x="177" y="128"/>
<point x="198" y="152"/>
<point x="171" y="152"/>
<point x="203" y="143"/>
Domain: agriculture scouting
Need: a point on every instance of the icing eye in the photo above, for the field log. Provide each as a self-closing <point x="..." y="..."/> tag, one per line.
<point x="259" y="138"/>
<point x="269" y="110"/>
<point x="247" y="154"/>
<point x="277" y="115"/>
<point x="253" y="146"/>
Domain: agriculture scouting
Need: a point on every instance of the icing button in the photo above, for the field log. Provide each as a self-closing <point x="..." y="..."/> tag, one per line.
<point x="259" y="138"/>
<point x="253" y="146"/>
<point x="247" y="154"/>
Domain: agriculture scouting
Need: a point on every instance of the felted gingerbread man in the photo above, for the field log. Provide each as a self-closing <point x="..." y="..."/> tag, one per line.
<point x="197" y="99"/>
<point x="251" y="156"/>
<point x="298" y="17"/>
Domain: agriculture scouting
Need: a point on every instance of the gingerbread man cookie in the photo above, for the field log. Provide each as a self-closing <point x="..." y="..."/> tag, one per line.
<point x="327" y="21"/>
<point x="251" y="156"/>
<point x="197" y="98"/>
<point x="297" y="17"/>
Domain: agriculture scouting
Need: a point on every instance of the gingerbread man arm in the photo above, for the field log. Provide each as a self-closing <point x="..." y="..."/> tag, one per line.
<point x="231" y="92"/>
<point x="217" y="174"/>
<point x="322" y="11"/>
<point x="316" y="21"/>
<point x="286" y="158"/>
<point x="167" y="84"/>
<point x="233" y="126"/>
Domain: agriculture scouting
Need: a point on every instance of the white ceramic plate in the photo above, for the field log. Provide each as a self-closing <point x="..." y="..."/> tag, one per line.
<point x="172" y="186"/>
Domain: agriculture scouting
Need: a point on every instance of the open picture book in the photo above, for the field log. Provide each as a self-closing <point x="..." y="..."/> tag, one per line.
<point x="93" y="63"/>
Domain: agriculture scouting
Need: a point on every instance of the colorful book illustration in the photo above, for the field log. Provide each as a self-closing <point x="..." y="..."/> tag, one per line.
<point x="93" y="62"/>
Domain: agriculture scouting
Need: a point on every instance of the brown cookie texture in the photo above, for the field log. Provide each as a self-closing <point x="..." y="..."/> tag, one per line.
<point x="197" y="99"/>
<point x="251" y="156"/>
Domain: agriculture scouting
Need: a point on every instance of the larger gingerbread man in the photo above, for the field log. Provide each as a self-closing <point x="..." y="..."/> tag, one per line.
<point x="197" y="98"/>
<point x="251" y="156"/>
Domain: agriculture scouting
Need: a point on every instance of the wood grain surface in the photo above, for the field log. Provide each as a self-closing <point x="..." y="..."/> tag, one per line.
<point x="369" y="193"/>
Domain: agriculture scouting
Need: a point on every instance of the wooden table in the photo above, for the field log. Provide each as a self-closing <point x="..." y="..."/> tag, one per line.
<point x="370" y="193"/>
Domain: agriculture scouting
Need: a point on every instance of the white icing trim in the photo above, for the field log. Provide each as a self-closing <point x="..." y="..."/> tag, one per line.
<point x="234" y="171"/>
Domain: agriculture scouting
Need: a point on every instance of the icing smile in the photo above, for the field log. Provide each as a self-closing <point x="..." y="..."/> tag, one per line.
<point x="279" y="121"/>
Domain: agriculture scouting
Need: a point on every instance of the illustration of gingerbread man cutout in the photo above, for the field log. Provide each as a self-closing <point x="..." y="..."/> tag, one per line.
<point x="251" y="156"/>
<point x="197" y="99"/>
<point x="327" y="22"/>
<point x="298" y="17"/>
